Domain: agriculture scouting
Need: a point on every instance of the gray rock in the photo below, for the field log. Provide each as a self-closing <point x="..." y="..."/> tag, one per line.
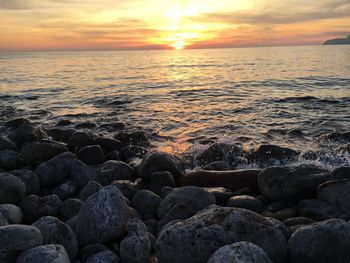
<point x="284" y="213"/>
<point x="102" y="217"/>
<point x="279" y="225"/>
<point x="44" y="254"/>
<point x="136" y="246"/>
<point x="246" y="201"/>
<point x="92" y="154"/>
<point x="180" y="211"/>
<point x="146" y="202"/>
<point x="240" y="252"/>
<point x="70" y="208"/>
<point x="212" y="154"/>
<point x="90" y="250"/>
<point x="35" y="207"/>
<point x="132" y="152"/>
<point x="79" y="139"/>
<point x="323" y="242"/>
<point x="7" y="144"/>
<point x="86" y="125"/>
<point x="12" y="189"/>
<point x="159" y="162"/>
<point x="60" y="134"/>
<point x="217" y="166"/>
<point x="337" y="194"/>
<point x="298" y="221"/>
<point x="221" y="194"/>
<point x="108" y="144"/>
<point x="317" y="209"/>
<point x="341" y="172"/>
<point x="3" y="220"/>
<point x="83" y="174"/>
<point x="30" y="180"/>
<point x="55" y="170"/>
<point x="116" y="170"/>
<point x="17" y="238"/>
<point x="12" y="213"/>
<point x="197" y="238"/>
<point x="10" y="160"/>
<point x="127" y="187"/>
<point x="194" y="197"/>
<point x="106" y="256"/>
<point x="89" y="189"/>
<point x="278" y="183"/>
<point x="268" y="152"/>
<point x="158" y="180"/>
<point x="55" y="231"/>
<point x="27" y="133"/>
<point x="14" y="123"/>
<point x="66" y="190"/>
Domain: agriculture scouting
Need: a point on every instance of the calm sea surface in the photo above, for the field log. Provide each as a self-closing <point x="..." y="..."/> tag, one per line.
<point x="250" y="96"/>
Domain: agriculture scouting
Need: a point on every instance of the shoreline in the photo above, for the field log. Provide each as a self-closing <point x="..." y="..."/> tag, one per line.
<point x="81" y="197"/>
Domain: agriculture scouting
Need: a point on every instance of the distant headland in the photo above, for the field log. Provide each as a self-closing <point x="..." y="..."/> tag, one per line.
<point x="338" y="41"/>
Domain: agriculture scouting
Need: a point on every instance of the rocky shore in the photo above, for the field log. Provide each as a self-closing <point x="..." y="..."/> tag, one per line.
<point x="68" y="195"/>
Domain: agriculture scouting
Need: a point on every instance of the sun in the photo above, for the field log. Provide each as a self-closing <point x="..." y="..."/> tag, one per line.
<point x="178" y="45"/>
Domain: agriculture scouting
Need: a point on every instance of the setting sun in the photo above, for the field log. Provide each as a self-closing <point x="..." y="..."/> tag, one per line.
<point x="178" y="45"/>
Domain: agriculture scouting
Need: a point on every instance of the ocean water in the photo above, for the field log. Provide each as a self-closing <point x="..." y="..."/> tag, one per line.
<point x="290" y="96"/>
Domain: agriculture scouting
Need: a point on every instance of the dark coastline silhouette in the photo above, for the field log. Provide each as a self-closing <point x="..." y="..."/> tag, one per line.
<point x="338" y="41"/>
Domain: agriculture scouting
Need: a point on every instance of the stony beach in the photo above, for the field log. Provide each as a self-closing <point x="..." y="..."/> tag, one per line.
<point x="68" y="194"/>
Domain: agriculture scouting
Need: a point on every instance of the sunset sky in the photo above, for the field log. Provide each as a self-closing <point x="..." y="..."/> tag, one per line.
<point x="153" y="24"/>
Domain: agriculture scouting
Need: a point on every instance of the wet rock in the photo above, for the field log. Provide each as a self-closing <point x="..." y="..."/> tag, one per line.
<point x="30" y="180"/>
<point x="108" y="144"/>
<point x="52" y="172"/>
<point x="64" y="123"/>
<point x="55" y="231"/>
<point x="341" y="172"/>
<point x="337" y="136"/>
<point x="34" y="153"/>
<point x="127" y="187"/>
<point x="221" y="194"/>
<point x="246" y="201"/>
<point x="113" y="155"/>
<point x="17" y="238"/>
<point x="278" y="183"/>
<point x="159" y="162"/>
<point x="10" y="160"/>
<point x="323" y="242"/>
<point x="233" y="180"/>
<point x="60" y="134"/>
<point x="212" y="154"/>
<point x="217" y="166"/>
<point x="14" y="123"/>
<point x="27" y="133"/>
<point x="102" y="217"/>
<point x="106" y="256"/>
<point x="80" y="139"/>
<point x="12" y="189"/>
<point x="3" y="220"/>
<point x="267" y="152"/>
<point x="44" y="254"/>
<point x="116" y="170"/>
<point x="12" y="213"/>
<point x="86" y="125"/>
<point x="70" y="208"/>
<point x="197" y="238"/>
<point x="285" y="213"/>
<point x="180" y="211"/>
<point x="160" y="179"/>
<point x="146" y="202"/>
<point x="337" y="194"/>
<point x="83" y="174"/>
<point x="240" y="252"/>
<point x="136" y="246"/>
<point x="133" y="152"/>
<point x="194" y="197"/>
<point x="65" y="190"/>
<point x="7" y="144"/>
<point x="90" y="250"/>
<point x="35" y="207"/>
<point x="139" y="138"/>
<point x="317" y="209"/>
<point x="89" y="189"/>
<point x="92" y="154"/>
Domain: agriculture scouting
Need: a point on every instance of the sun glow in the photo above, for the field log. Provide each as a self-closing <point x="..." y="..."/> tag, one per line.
<point x="178" y="45"/>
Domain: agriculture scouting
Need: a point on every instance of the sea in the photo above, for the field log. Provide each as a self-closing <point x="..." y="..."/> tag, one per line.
<point x="288" y="96"/>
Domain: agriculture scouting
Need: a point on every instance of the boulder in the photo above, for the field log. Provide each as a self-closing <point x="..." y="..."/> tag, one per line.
<point x="44" y="254"/>
<point x="14" y="123"/>
<point x="106" y="256"/>
<point x="92" y="154"/>
<point x="10" y="160"/>
<point x="322" y="242"/>
<point x="70" y="208"/>
<point x="108" y="145"/>
<point x="127" y="187"/>
<point x="66" y="190"/>
<point x="197" y="238"/>
<point x="246" y="201"/>
<point x="83" y="174"/>
<point x="194" y="197"/>
<point x="79" y="139"/>
<point x="30" y="180"/>
<point x="180" y="211"/>
<point x="102" y="217"/>
<point x="12" y="189"/>
<point x="116" y="170"/>
<point x="240" y="252"/>
<point x="267" y="152"/>
<point x="160" y="179"/>
<point x="55" y="231"/>
<point x="89" y="189"/>
<point x="61" y="134"/>
<point x="27" y="133"/>
<point x="132" y="152"/>
<point x="146" y="202"/>
<point x="12" y="213"/>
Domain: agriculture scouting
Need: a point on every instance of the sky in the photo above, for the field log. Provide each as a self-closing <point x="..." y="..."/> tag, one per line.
<point x="44" y="25"/>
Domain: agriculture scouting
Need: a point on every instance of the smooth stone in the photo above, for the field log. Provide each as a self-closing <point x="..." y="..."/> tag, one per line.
<point x="317" y="209"/>
<point x="35" y="207"/>
<point x="7" y="144"/>
<point x="116" y="170"/>
<point x="159" y="162"/>
<point x="12" y="189"/>
<point x="10" y="160"/>
<point x="278" y="183"/>
<point x="27" y="133"/>
<point x="3" y="220"/>
<point x="221" y="194"/>
<point x="341" y="172"/>
<point x="102" y="217"/>
<point x="108" y="144"/>
<point x="17" y="238"/>
<point x="323" y="242"/>
<point x="243" y="252"/>
<point x="180" y="211"/>
<point x="89" y="189"/>
<point x="278" y="224"/>
<point x="136" y="246"/>
<point x="246" y="201"/>
<point x="267" y="152"/>
<point x="14" y="123"/>
<point x="194" y="197"/>
<point x="70" y="208"/>
<point x="113" y="156"/>
<point x="83" y="174"/>
<point x="166" y="190"/>
<point x="279" y="205"/>
<point x="30" y="180"/>
<point x="44" y="254"/>
<point x="90" y="250"/>
<point x="146" y="202"/>
<point x="160" y="179"/>
<point x="106" y="256"/>
<point x="285" y="213"/>
<point x="64" y="123"/>
<point x="92" y="154"/>
<point x="197" y="238"/>
<point x="52" y="172"/>
<point x="233" y="180"/>
<point x="61" y="134"/>
<point x="298" y="221"/>
<point x="66" y="190"/>
<point x="127" y="187"/>
<point x="12" y="213"/>
<point x="85" y="125"/>
<point x="78" y="140"/>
